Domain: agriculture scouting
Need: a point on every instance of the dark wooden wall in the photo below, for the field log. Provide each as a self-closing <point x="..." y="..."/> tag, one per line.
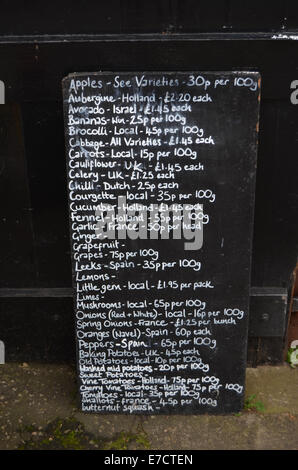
<point x="40" y="43"/>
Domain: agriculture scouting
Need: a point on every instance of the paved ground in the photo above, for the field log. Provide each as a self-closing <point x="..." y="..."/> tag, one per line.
<point x="38" y="410"/>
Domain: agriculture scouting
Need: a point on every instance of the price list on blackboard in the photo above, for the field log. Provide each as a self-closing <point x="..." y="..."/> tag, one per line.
<point x="161" y="177"/>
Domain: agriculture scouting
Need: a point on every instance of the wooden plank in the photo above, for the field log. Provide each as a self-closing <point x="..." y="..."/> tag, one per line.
<point x="18" y="261"/>
<point x="36" y="292"/>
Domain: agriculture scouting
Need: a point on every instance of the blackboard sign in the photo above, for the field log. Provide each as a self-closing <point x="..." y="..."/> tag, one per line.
<point x="161" y="174"/>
